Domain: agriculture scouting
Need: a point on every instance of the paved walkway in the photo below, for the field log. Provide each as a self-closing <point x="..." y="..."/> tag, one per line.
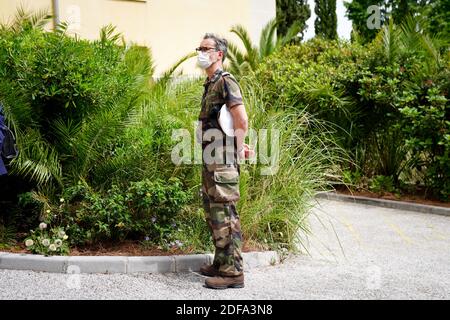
<point x="357" y="252"/>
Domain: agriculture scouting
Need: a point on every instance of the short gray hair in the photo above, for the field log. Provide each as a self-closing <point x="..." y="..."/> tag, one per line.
<point x="221" y="43"/>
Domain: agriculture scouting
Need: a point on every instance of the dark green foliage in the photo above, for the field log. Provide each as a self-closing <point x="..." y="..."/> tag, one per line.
<point x="427" y="127"/>
<point x="290" y="12"/>
<point x="381" y="184"/>
<point x="438" y="17"/>
<point x="357" y="13"/>
<point x="435" y="12"/>
<point x="246" y="62"/>
<point x="67" y="99"/>
<point x="389" y="100"/>
<point x="325" y="25"/>
<point x="144" y="209"/>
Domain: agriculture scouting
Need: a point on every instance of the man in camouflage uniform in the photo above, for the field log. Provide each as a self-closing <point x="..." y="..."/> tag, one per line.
<point x="220" y="174"/>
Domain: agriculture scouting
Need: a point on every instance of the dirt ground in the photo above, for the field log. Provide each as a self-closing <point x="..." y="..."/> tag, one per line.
<point x="126" y="248"/>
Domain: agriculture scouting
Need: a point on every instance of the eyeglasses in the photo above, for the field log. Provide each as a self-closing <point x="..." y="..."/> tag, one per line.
<point x="204" y="49"/>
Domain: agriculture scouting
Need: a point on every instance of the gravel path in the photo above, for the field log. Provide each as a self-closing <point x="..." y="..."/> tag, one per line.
<point x="357" y="252"/>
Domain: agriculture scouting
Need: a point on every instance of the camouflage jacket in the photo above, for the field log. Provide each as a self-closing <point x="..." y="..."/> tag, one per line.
<point x="221" y="89"/>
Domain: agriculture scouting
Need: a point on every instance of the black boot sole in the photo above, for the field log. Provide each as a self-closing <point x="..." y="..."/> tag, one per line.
<point x="231" y="286"/>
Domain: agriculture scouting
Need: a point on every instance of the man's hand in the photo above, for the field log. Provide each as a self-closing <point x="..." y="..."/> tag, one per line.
<point x="246" y="152"/>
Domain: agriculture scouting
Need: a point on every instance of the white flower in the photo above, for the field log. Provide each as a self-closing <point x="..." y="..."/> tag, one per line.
<point x="61" y="200"/>
<point x="178" y="243"/>
<point x="65" y="237"/>
<point x="42" y="225"/>
<point x="46" y="242"/>
<point x="52" y="247"/>
<point x="48" y="211"/>
<point x="61" y="233"/>
<point x="58" y="243"/>
<point x="29" y="242"/>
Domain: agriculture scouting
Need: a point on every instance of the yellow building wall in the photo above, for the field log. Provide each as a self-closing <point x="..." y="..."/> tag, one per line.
<point x="171" y="28"/>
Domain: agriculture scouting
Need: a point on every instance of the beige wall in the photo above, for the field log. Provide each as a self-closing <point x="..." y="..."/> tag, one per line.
<point x="172" y="28"/>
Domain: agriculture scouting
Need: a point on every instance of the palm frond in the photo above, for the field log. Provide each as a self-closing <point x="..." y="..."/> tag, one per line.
<point x="64" y="132"/>
<point x="251" y="51"/>
<point x="267" y="41"/>
<point x="432" y="47"/>
<point x="7" y="233"/>
<point x="241" y="62"/>
<point x="93" y="137"/>
<point x="62" y="28"/>
<point x="24" y="19"/>
<point x="108" y="34"/>
<point x="390" y="39"/>
<point x="37" y="159"/>
<point x="139" y="60"/>
<point x="164" y="79"/>
<point x="415" y="40"/>
<point x="244" y="36"/>
<point x="236" y="58"/>
<point x="19" y="113"/>
<point x="291" y="33"/>
<point x="411" y="31"/>
<point x="40" y="18"/>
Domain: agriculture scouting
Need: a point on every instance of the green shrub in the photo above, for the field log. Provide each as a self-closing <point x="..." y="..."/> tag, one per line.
<point x="65" y="77"/>
<point x="290" y="73"/>
<point x="322" y="77"/>
<point x="381" y="184"/>
<point x="427" y="127"/>
<point x="68" y="99"/>
<point x="143" y="209"/>
<point x="388" y="99"/>
<point x="352" y="178"/>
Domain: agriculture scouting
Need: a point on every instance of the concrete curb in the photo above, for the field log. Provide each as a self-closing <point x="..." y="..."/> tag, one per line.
<point x="393" y="204"/>
<point x="124" y="264"/>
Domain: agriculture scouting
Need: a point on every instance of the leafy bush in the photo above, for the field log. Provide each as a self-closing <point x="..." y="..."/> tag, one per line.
<point x="321" y="77"/>
<point x="143" y="209"/>
<point x="382" y="184"/>
<point x="67" y="99"/>
<point x="352" y="178"/>
<point x="389" y="100"/>
<point x="87" y="120"/>
<point x="63" y="77"/>
<point x="427" y="128"/>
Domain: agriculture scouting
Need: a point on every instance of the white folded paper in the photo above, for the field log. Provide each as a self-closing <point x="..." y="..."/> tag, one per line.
<point x="226" y="121"/>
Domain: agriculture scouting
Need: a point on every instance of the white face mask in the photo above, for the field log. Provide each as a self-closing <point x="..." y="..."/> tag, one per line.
<point x="203" y="60"/>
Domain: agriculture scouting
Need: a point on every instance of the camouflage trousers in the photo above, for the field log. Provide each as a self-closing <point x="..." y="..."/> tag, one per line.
<point x="220" y="191"/>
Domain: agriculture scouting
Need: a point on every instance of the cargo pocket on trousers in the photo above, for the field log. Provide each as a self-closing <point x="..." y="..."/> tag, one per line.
<point x="226" y="185"/>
